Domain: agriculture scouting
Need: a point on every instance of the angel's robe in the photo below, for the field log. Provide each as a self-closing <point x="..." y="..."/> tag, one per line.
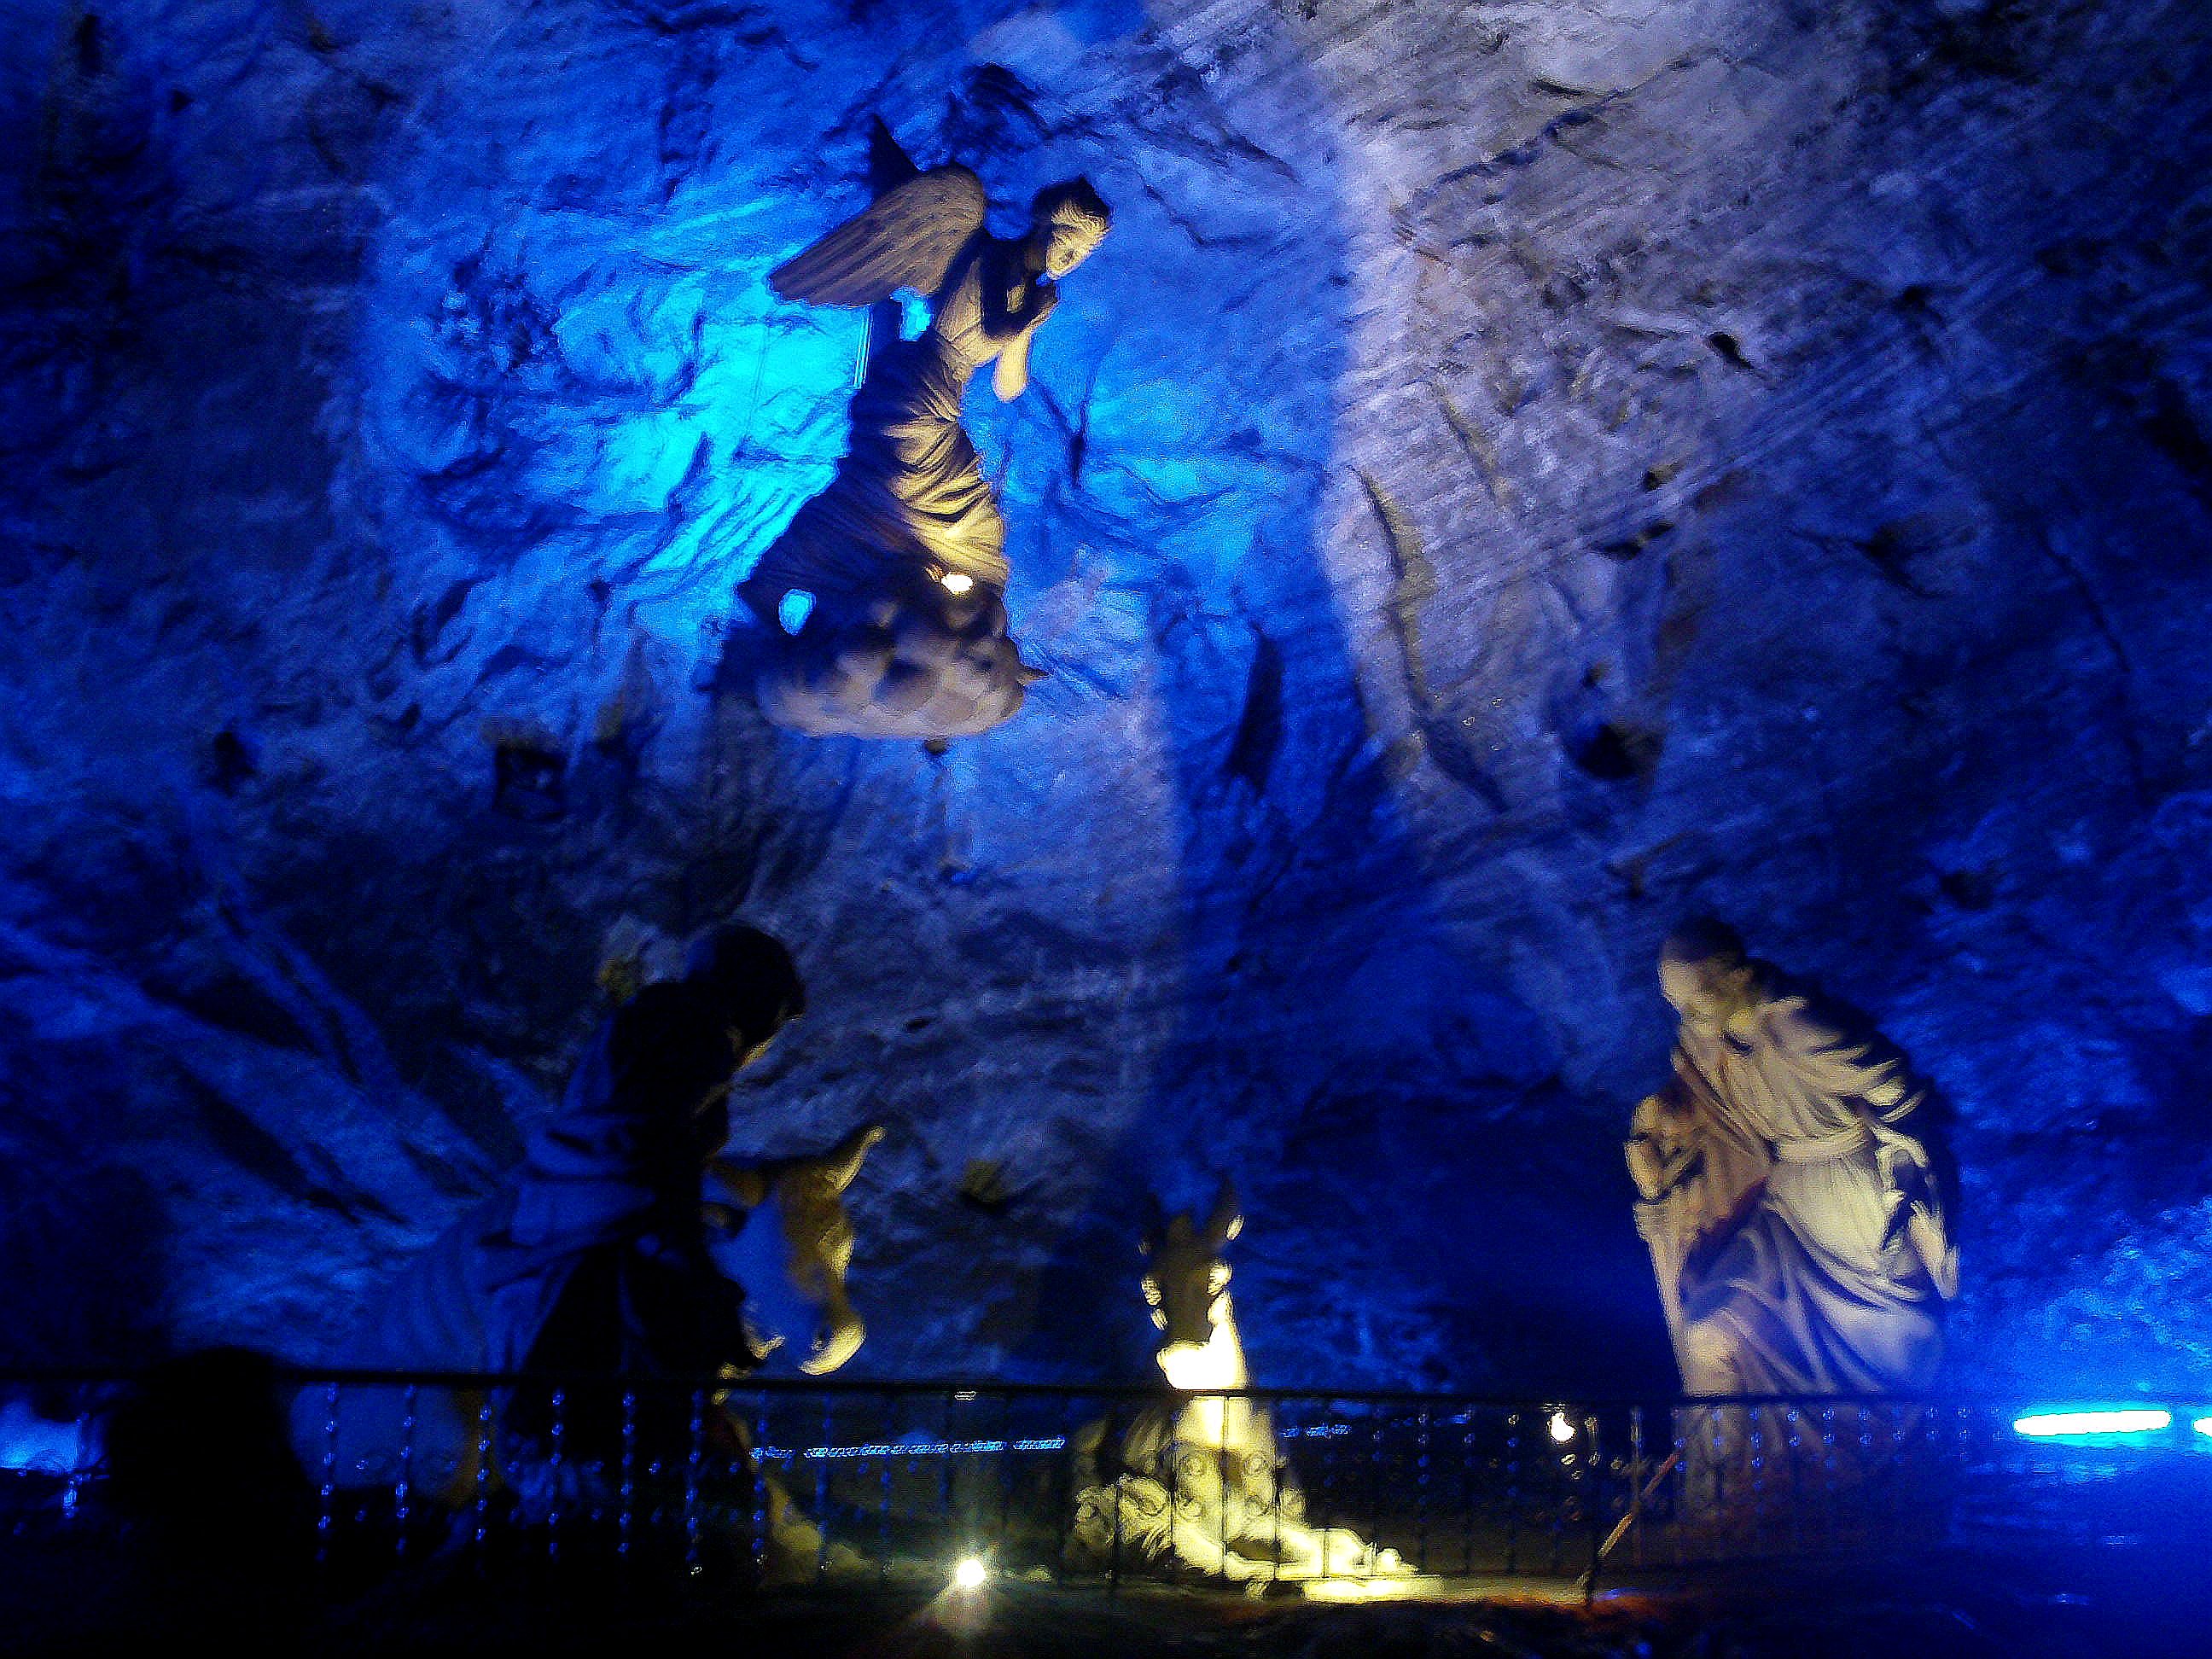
<point x="910" y="488"/>
<point x="1818" y="1255"/>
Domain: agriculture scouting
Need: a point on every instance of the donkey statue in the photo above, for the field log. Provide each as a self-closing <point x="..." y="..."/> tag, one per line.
<point x="1196" y="1479"/>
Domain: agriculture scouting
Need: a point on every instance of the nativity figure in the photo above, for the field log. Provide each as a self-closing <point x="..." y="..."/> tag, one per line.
<point x="882" y="604"/>
<point x="628" y="1246"/>
<point x="1794" y="1186"/>
<point x="1196" y="1481"/>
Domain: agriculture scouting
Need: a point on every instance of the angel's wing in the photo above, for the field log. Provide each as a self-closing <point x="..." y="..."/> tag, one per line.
<point x="908" y="238"/>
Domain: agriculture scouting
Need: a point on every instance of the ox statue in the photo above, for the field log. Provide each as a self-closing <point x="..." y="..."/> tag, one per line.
<point x="1196" y="1479"/>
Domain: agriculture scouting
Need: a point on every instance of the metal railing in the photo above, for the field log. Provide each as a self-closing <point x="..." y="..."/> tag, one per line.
<point x="833" y="1483"/>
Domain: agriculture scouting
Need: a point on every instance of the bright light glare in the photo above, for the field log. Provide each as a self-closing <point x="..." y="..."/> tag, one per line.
<point x="1358" y="1589"/>
<point x="970" y="1574"/>
<point x="2203" y="1425"/>
<point x="1195" y="1368"/>
<point x="2133" y="1420"/>
<point x="794" y="609"/>
<point x="1563" y="1428"/>
<point x="957" y="581"/>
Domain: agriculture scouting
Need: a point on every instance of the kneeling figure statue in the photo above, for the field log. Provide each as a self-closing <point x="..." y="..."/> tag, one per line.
<point x="1793" y="1187"/>
<point x="627" y="1253"/>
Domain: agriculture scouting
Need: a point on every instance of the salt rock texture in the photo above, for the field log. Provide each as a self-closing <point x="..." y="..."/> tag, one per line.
<point x="1515" y="474"/>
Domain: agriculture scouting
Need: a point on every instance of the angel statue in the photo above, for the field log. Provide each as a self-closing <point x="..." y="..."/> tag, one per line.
<point x="884" y="599"/>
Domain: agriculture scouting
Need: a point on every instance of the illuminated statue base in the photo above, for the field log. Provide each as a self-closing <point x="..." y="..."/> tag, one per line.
<point x="903" y="651"/>
<point x="1231" y="1529"/>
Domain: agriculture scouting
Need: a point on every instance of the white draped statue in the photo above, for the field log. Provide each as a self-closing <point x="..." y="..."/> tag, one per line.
<point x="883" y="601"/>
<point x="1794" y="1190"/>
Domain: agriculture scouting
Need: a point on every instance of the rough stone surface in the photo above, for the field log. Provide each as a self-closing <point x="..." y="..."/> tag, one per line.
<point x="1516" y="473"/>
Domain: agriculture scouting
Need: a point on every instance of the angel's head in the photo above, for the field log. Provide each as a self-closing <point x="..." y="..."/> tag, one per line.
<point x="1068" y="220"/>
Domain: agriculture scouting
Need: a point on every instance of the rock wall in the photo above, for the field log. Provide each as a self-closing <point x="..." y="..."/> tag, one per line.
<point x="1515" y="474"/>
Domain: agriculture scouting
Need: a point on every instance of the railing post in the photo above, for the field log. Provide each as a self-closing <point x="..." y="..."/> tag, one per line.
<point x="1175" y="1495"/>
<point x="1278" y="1475"/>
<point x="403" y="1489"/>
<point x="822" y="1487"/>
<point x="1512" y="1491"/>
<point x="947" y="1476"/>
<point x="1377" y="1463"/>
<point x="1594" y="1474"/>
<point x="1421" y="1490"/>
<point x="1678" y="1444"/>
<point x="695" y="1458"/>
<point x="946" y="1481"/>
<point x="1466" y="1492"/>
<point x="81" y="1455"/>
<point x="554" y="1468"/>
<point x="1064" y="1490"/>
<point x="1830" y="1495"/>
<point x="1794" y="1443"/>
<point x="1861" y="1483"/>
<point x="756" y="1461"/>
<point x="1113" y="1494"/>
<point x="626" y="1515"/>
<point x="1636" y="1485"/>
<point x="1716" y="1417"/>
<point x="1221" y="1483"/>
<point x="483" y="1477"/>
<point x="1955" y="1485"/>
<point x="1755" y="1424"/>
<point x="326" y="1516"/>
<point x="1328" y="1520"/>
<point x="884" y="1490"/>
<point x="1006" y="1476"/>
<point x="1557" y="1518"/>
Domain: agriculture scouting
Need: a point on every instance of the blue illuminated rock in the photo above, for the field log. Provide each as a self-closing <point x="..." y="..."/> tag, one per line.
<point x="1512" y="477"/>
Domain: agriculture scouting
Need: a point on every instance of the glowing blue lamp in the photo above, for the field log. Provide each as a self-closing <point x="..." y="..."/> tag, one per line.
<point x="2126" y="1419"/>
